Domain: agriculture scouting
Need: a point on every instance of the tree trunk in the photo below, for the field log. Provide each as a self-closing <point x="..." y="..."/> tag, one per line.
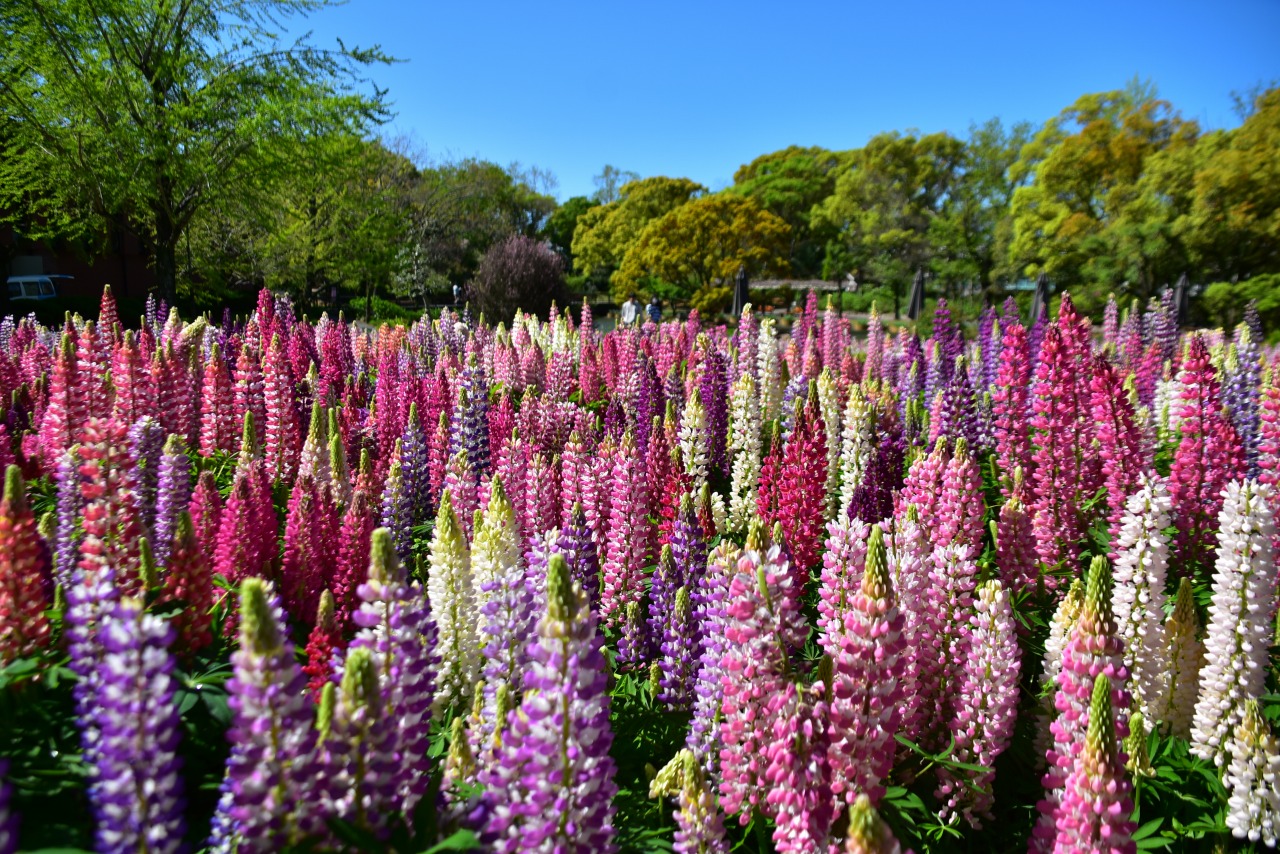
<point x="166" y="255"/>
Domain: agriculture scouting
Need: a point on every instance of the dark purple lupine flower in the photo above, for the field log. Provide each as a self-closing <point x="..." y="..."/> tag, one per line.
<point x="135" y="786"/>
<point x="948" y="341"/>
<point x="270" y="793"/>
<point x="796" y="387"/>
<point x="633" y="644"/>
<point x="580" y="553"/>
<point x="650" y="402"/>
<point x="173" y="494"/>
<point x="469" y="429"/>
<point x="959" y="414"/>
<point x="1035" y="337"/>
<point x="414" y="469"/>
<point x="615" y="420"/>
<point x="1253" y="320"/>
<point x="1240" y="393"/>
<point x="714" y="392"/>
<point x="679" y="649"/>
<point x="673" y="387"/>
<point x="396" y="626"/>
<point x="667" y="579"/>
<point x="1009" y="313"/>
<point x="989" y="347"/>
<point x="1166" y="326"/>
<point x="70" y="502"/>
<point x="8" y="819"/>
<point x="552" y="783"/>
<point x="709" y="612"/>
<point x="146" y="442"/>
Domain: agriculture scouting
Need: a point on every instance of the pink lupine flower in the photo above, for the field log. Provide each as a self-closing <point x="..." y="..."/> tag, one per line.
<point x="867" y="681"/>
<point x="627" y="546"/>
<point x="1096" y="805"/>
<point x="1119" y="441"/>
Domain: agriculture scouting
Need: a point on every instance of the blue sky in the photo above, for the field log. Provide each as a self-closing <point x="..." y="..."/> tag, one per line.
<point x="696" y="89"/>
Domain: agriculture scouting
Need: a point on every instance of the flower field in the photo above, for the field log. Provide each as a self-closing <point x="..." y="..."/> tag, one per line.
<point x="269" y="584"/>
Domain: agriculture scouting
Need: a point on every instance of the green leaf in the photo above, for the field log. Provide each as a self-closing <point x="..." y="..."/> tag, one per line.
<point x="1148" y="828"/>
<point x="462" y="840"/>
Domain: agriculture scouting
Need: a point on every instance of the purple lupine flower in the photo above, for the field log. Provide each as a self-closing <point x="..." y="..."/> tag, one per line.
<point x="552" y="784"/>
<point x="414" y="472"/>
<point x="678" y="649"/>
<point x="709" y="610"/>
<point x="8" y="819"/>
<point x="1165" y="333"/>
<point x="397" y="512"/>
<point x="269" y="793"/>
<point x="714" y="392"/>
<point x="146" y="442"/>
<point x="359" y="747"/>
<point x="1240" y="394"/>
<point x="1035" y="338"/>
<point x="580" y="552"/>
<point x="988" y="347"/>
<point x="948" y="340"/>
<point x="396" y="626"/>
<point x="136" y="787"/>
<point x="70" y="502"/>
<point x="633" y="640"/>
<point x="173" y="495"/>
<point x="650" y="402"/>
<point x="469" y="430"/>
<point x="508" y="620"/>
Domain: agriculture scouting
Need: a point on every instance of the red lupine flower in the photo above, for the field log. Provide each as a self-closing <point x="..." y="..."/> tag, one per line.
<point x="25" y="581"/>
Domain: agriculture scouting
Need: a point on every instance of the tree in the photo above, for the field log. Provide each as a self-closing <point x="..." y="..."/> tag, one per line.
<point x="703" y="243"/>
<point x="561" y="224"/>
<point x="605" y="233"/>
<point x="788" y="184"/>
<point x="154" y="109"/>
<point x="1083" y="218"/>
<point x="609" y="183"/>
<point x="517" y="273"/>
<point x="884" y="207"/>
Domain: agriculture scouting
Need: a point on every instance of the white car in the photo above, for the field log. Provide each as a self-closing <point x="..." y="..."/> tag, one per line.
<point x="42" y="287"/>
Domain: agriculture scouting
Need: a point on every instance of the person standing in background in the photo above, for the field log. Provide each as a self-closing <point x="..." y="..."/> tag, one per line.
<point x="630" y="310"/>
<point x="655" y="311"/>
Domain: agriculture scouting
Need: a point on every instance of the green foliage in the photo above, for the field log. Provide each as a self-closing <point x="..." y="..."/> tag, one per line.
<point x="1225" y="301"/>
<point x="562" y="223"/>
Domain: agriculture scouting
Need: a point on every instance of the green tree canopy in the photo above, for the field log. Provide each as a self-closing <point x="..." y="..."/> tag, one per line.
<point x="605" y="233"/>
<point x="789" y="183"/>
<point x="155" y="109"/>
<point x="562" y="223"/>
<point x="704" y="242"/>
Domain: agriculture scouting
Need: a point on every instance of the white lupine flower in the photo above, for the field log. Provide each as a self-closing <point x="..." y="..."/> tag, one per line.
<point x="1253" y="779"/>
<point x="1167" y="407"/>
<point x="1186" y="658"/>
<point x="1239" y="632"/>
<point x="496" y="548"/>
<point x="1138" y="597"/>
<point x="694" y="443"/>
<point x="1064" y="620"/>
<point x="829" y="407"/>
<point x="452" y="600"/>
<point x="745" y="450"/>
<point x="769" y="372"/>
<point x="857" y="445"/>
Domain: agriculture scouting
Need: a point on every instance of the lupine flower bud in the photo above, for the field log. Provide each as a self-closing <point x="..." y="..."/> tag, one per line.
<point x="699" y="827"/>
<point x="868" y="834"/>
<point x="1185" y="657"/>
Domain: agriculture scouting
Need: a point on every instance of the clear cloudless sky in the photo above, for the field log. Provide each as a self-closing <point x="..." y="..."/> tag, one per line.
<point x="695" y="88"/>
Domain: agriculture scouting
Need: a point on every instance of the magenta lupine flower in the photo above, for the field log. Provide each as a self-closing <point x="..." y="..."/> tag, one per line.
<point x="397" y="627"/>
<point x="311" y="527"/>
<point x="986" y="706"/>
<point x="801" y="490"/>
<point x="799" y="798"/>
<point x="542" y="496"/>
<point x="1056" y="478"/>
<point x="173" y="495"/>
<point x="866" y="686"/>
<point x="1208" y="456"/>
<point x="953" y="579"/>
<point x="217" y="407"/>
<point x="1094" y="649"/>
<point x="135" y="785"/>
<point x="575" y="464"/>
<point x="1119" y="441"/>
<point x="353" y="556"/>
<point x="91" y="373"/>
<point x="1096" y="805"/>
<point x="1015" y="543"/>
<point x="762" y="623"/>
<point x="26" y="584"/>
<point x="960" y="507"/>
<point x="461" y="485"/>
<point x="842" y="564"/>
<point x="1238" y="636"/>
<point x="281" y="441"/>
<point x="134" y="391"/>
<point x="206" y="512"/>
<point x="1010" y="398"/>
<point x="64" y="409"/>
<point x="909" y="555"/>
<point x="188" y="581"/>
<point x="552" y="783"/>
<point x="1269" y="427"/>
<point x="270" y="791"/>
<point x="627" y="544"/>
<point x="246" y="543"/>
<point x="923" y="486"/>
